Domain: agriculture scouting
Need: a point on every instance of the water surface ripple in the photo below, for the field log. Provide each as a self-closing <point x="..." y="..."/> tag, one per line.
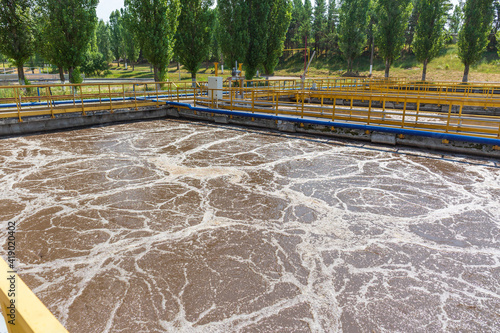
<point x="179" y="226"/>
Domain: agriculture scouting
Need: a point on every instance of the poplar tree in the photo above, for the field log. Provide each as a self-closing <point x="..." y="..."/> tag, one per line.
<point x="233" y="32"/>
<point x="258" y="25"/>
<point x="103" y="40"/>
<point x="392" y="18"/>
<point x="278" y="23"/>
<point x="16" y="33"/>
<point x="332" y="22"/>
<point x="455" y="20"/>
<point x="193" y="35"/>
<point x="319" y="26"/>
<point x="154" y="22"/>
<point x="429" y="32"/>
<point x="116" y="34"/>
<point x="305" y="21"/>
<point x="292" y="35"/>
<point x="353" y="20"/>
<point x="131" y="44"/>
<point x="69" y="29"/>
<point x="473" y="36"/>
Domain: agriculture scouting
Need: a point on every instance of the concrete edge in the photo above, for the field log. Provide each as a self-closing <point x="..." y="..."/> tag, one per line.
<point x="32" y="125"/>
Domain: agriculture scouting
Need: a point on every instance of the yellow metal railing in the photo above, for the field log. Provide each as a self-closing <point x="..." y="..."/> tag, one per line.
<point x="385" y="110"/>
<point x="22" y="310"/>
<point x="364" y="101"/>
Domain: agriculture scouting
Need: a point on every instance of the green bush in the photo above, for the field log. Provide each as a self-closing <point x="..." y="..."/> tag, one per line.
<point x="77" y="76"/>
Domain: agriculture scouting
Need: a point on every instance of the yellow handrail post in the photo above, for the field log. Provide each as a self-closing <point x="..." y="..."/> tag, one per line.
<point x="81" y="99"/>
<point x="276" y="102"/>
<point x="18" y="103"/>
<point x="334" y="106"/>
<point x="253" y="100"/>
<point x="135" y="97"/>
<point x="303" y="99"/>
<point x="418" y="110"/>
<point x="404" y="114"/>
<point x="369" y="111"/>
<point x="110" y="99"/>
<point x="157" y="98"/>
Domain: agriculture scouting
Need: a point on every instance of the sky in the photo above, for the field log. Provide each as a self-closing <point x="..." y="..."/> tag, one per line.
<point x="105" y="7"/>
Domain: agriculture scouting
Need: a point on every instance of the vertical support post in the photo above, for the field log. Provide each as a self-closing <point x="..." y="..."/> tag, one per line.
<point x="448" y="121"/>
<point x="253" y="101"/>
<point x="334" y="106"/>
<point x="303" y="98"/>
<point x="157" y="97"/>
<point x="18" y="104"/>
<point x="135" y="96"/>
<point x="404" y="114"/>
<point x="231" y="98"/>
<point x="123" y="88"/>
<point x="276" y="99"/>
<point x="81" y="99"/>
<point x="100" y="101"/>
<point x="194" y="96"/>
<point x="418" y="110"/>
<point x="369" y="111"/>
<point x="110" y="101"/>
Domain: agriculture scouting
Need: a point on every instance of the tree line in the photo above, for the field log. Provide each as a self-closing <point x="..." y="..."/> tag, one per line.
<point x="391" y="27"/>
<point x="67" y="34"/>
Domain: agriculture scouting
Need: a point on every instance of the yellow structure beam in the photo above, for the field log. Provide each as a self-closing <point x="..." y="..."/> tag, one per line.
<point x="22" y="310"/>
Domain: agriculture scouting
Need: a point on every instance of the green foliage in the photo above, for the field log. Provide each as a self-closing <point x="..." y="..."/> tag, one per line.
<point x="215" y="45"/>
<point x="455" y="20"/>
<point x="154" y="22"/>
<point x="77" y="76"/>
<point x="330" y="39"/>
<point x="193" y="40"/>
<point x="392" y="17"/>
<point x="292" y="35"/>
<point x="253" y="31"/>
<point x="233" y="32"/>
<point x="116" y="35"/>
<point x="319" y="26"/>
<point x="278" y="23"/>
<point x="353" y="20"/>
<point x="131" y="44"/>
<point x="104" y="40"/>
<point x="16" y="32"/>
<point x="473" y="36"/>
<point x="430" y="30"/>
<point x="68" y="27"/>
<point x="305" y="28"/>
<point x="412" y="24"/>
<point x="95" y="63"/>
<point x="258" y="25"/>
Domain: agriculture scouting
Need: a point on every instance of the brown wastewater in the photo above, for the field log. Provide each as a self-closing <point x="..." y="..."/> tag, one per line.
<point x="179" y="226"/>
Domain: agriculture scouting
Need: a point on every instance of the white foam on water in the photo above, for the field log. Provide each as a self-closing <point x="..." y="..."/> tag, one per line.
<point x="226" y="229"/>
